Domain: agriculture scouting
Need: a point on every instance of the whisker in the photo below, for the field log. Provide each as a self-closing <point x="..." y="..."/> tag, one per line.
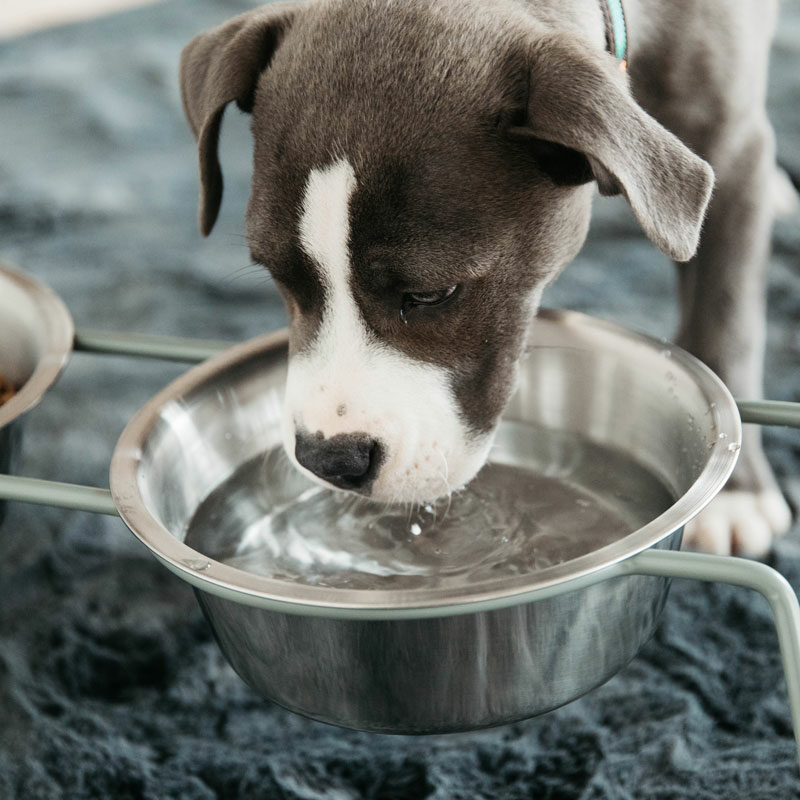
<point x="446" y="481"/>
<point x="249" y="271"/>
<point x="236" y="235"/>
<point x="449" y="503"/>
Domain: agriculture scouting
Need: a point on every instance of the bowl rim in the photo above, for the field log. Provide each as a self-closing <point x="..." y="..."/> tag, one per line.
<point x="212" y="576"/>
<point x="56" y="320"/>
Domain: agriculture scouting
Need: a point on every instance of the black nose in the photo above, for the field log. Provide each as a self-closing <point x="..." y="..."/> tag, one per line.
<point x="347" y="460"/>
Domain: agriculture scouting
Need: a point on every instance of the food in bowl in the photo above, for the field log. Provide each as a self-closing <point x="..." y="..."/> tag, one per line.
<point x="7" y="390"/>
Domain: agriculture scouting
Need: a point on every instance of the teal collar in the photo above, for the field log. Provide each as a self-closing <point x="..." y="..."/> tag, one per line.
<point x="616" y="29"/>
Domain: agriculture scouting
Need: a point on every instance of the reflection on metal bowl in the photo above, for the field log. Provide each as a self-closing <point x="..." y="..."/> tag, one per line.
<point x="442" y="648"/>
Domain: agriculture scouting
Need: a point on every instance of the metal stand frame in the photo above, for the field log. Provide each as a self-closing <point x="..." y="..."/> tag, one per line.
<point x="752" y="575"/>
<point x="660" y="563"/>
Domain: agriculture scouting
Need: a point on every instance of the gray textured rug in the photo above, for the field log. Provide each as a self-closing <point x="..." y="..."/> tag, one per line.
<point x="110" y="683"/>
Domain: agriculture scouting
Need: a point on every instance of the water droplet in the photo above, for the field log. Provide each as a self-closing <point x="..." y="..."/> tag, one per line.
<point x="666" y="353"/>
<point x="416" y="529"/>
<point x="734" y="447"/>
<point x="723" y="436"/>
<point x="198" y="564"/>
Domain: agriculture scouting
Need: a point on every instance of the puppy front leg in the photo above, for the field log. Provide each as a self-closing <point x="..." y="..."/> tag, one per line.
<point x="723" y="298"/>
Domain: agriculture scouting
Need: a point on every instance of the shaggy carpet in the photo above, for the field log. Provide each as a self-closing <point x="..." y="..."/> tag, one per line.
<point x="110" y="683"/>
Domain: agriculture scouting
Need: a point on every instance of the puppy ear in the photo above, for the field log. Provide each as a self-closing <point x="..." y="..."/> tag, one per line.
<point x="220" y="66"/>
<point x="579" y="100"/>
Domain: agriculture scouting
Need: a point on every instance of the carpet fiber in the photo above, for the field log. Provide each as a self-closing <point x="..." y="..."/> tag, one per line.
<point x="110" y="683"/>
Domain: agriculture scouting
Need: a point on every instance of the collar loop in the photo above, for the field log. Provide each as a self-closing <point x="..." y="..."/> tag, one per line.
<point x="616" y="30"/>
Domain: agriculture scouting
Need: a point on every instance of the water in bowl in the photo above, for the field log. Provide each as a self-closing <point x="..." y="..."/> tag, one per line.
<point x="545" y="497"/>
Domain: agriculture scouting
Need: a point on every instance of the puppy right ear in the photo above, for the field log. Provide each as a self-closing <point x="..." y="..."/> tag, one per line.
<point x="580" y="106"/>
<point x="220" y="66"/>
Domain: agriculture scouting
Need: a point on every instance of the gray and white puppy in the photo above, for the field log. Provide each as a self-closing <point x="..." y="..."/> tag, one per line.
<point x="423" y="169"/>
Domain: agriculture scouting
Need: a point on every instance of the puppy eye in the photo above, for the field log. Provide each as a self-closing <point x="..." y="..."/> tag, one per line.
<point x="435" y="298"/>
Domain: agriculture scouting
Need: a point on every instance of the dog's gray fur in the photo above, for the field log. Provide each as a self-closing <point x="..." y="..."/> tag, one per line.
<point x="475" y="128"/>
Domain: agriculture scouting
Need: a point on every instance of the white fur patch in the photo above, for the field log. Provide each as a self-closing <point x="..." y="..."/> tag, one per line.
<point x="324" y="222"/>
<point x="348" y="381"/>
<point x="739" y="523"/>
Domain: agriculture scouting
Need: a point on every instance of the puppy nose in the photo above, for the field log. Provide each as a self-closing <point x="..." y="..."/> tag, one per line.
<point x="347" y="460"/>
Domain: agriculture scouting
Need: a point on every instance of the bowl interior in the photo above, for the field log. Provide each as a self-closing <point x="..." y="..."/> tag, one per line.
<point x="633" y="430"/>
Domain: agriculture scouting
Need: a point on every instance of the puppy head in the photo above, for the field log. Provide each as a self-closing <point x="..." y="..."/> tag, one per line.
<point x="422" y="171"/>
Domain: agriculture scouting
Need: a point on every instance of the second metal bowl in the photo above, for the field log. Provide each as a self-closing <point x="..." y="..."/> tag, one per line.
<point x="36" y="334"/>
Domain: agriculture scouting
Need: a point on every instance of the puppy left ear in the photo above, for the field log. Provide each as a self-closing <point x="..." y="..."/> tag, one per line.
<point x="579" y="100"/>
<point x="218" y="67"/>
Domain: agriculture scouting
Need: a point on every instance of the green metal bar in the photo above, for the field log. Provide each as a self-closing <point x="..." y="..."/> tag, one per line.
<point x="62" y="495"/>
<point x="739" y="572"/>
<point x="142" y="345"/>
<point x="769" y="412"/>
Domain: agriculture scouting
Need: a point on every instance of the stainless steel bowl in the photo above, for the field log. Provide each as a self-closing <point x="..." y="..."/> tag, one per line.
<point x="446" y="657"/>
<point x="36" y="334"/>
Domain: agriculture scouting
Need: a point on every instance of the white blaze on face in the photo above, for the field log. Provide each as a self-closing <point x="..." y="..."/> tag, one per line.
<point x="347" y="381"/>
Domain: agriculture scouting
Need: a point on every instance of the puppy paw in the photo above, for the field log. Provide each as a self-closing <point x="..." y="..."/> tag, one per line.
<point x="785" y="199"/>
<point x="739" y="523"/>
